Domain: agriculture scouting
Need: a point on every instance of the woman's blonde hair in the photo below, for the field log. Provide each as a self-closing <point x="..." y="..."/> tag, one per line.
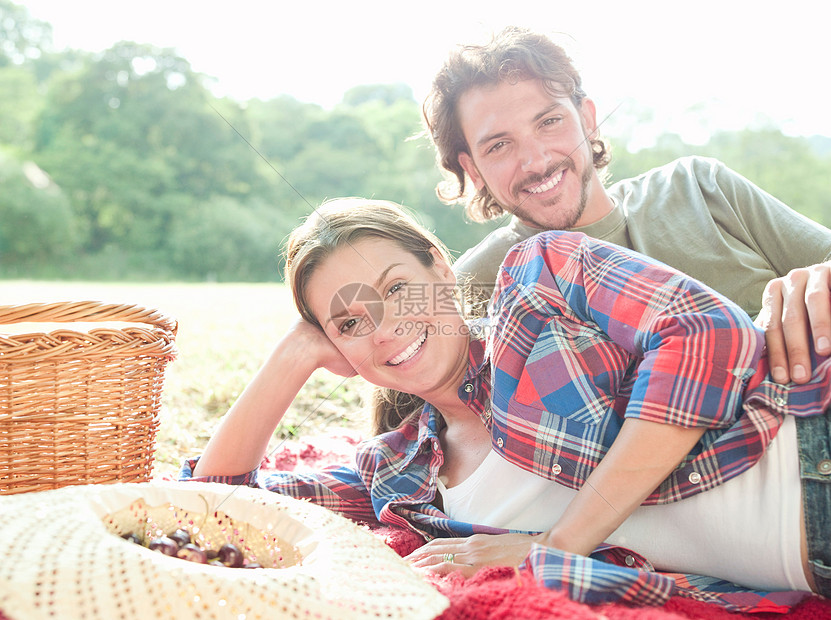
<point x="345" y="221"/>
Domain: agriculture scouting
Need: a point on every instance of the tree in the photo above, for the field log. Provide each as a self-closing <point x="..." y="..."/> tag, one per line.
<point x="136" y="124"/>
<point x="37" y="226"/>
<point x="20" y="105"/>
<point x="224" y="240"/>
<point x="387" y="94"/>
<point x="22" y="38"/>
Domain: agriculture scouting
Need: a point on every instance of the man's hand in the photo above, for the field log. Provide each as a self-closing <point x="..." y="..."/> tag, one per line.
<point x="796" y="309"/>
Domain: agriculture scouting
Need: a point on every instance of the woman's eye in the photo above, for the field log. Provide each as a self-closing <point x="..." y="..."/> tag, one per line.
<point x="552" y="120"/>
<point x="347" y="325"/>
<point x="395" y="288"/>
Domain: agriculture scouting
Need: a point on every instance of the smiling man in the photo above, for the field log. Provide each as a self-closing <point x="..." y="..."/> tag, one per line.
<point x="511" y="119"/>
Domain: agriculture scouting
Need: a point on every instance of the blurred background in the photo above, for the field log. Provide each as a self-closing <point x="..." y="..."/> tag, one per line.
<point x="182" y="140"/>
<point x="158" y="152"/>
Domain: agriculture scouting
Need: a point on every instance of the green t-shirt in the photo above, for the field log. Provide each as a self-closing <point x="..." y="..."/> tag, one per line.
<point x="694" y="214"/>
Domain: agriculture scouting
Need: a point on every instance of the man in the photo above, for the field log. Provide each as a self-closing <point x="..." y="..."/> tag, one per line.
<point x="510" y="118"/>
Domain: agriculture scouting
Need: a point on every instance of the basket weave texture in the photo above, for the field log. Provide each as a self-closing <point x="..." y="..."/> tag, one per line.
<point x="80" y="407"/>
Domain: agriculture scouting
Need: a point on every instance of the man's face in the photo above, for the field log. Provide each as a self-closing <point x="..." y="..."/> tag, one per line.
<point x="531" y="150"/>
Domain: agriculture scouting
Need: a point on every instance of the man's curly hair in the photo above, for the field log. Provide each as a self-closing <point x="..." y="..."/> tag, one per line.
<point x="513" y="55"/>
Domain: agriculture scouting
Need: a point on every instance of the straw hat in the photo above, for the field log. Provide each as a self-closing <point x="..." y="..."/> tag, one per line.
<point x="63" y="556"/>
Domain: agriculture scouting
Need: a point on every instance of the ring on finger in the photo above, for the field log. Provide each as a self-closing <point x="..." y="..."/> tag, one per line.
<point x="448" y="557"/>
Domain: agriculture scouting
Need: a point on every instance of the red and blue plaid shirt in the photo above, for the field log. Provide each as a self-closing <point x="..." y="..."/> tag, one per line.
<point x="583" y="334"/>
<point x="586" y="334"/>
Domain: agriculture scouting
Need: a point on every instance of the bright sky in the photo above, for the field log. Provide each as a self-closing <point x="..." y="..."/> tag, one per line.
<point x="751" y="62"/>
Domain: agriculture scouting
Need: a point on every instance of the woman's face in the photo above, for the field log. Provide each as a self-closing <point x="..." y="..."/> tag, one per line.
<point x="391" y="317"/>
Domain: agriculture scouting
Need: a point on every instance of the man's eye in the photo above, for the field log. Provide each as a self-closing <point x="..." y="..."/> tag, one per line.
<point x="552" y="120"/>
<point x="496" y="147"/>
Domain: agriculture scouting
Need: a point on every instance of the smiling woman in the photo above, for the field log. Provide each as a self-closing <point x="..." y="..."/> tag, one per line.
<point x="605" y="385"/>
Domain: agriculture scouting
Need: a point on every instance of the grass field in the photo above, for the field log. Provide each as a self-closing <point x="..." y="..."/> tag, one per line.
<point x="225" y="333"/>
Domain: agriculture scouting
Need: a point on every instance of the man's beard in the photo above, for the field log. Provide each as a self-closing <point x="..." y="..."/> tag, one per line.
<point x="569" y="219"/>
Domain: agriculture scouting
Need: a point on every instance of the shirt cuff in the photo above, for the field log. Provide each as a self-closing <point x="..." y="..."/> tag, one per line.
<point x="247" y="479"/>
<point x="588" y="580"/>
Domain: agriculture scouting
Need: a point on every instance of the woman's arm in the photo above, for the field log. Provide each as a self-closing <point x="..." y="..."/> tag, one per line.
<point x="641" y="457"/>
<point x="240" y="441"/>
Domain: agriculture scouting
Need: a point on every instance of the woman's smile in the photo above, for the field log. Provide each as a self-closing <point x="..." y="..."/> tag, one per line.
<point x="410" y="352"/>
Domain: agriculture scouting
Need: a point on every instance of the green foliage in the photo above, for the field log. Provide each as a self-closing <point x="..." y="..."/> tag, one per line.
<point x="22" y="38"/>
<point x="20" y="104"/>
<point x="37" y="226"/>
<point x="386" y="94"/>
<point x="222" y="240"/>
<point x="795" y="170"/>
<point x="155" y="178"/>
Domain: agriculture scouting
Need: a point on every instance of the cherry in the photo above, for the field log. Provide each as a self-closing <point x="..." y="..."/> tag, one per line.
<point x="182" y="537"/>
<point x="164" y="544"/>
<point x="178" y="544"/>
<point x="192" y="553"/>
<point x="230" y="555"/>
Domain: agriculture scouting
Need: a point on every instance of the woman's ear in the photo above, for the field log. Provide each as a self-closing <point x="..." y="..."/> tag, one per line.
<point x="442" y="267"/>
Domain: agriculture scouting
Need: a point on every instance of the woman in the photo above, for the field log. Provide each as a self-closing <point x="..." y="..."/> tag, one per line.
<point x="609" y="399"/>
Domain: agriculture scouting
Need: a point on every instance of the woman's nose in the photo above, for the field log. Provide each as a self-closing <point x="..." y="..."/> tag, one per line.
<point x="384" y="328"/>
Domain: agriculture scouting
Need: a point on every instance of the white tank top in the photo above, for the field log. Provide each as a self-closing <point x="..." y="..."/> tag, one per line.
<point x="746" y="530"/>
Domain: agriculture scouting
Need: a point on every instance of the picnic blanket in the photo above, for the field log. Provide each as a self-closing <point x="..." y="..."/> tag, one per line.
<point x="502" y="593"/>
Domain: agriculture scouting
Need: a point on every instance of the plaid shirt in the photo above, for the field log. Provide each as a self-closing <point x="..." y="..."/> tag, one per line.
<point x="586" y="334"/>
<point x="563" y="297"/>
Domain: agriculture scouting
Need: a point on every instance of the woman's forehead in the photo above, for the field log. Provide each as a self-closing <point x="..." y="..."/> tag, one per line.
<point x="365" y="262"/>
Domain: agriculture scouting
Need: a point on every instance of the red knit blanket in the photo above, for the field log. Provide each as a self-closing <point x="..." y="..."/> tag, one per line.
<point x="502" y="593"/>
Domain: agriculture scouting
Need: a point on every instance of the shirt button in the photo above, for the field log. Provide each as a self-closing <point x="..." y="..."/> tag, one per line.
<point x="824" y="467"/>
<point x="556" y="469"/>
<point x="468" y="387"/>
<point x="629" y="560"/>
<point x="499" y="442"/>
<point x="694" y="478"/>
<point x="488" y="414"/>
<point x="780" y="400"/>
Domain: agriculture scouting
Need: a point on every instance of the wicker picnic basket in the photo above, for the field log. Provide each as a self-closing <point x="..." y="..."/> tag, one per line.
<point x="80" y="407"/>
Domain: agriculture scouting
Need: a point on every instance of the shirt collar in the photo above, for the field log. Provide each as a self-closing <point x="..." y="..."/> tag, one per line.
<point x="474" y="392"/>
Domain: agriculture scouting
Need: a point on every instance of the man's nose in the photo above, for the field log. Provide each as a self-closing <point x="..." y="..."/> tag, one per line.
<point x="534" y="157"/>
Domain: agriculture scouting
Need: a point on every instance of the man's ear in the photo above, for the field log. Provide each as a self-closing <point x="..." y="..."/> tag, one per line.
<point x="442" y="267"/>
<point x="588" y="114"/>
<point x="466" y="162"/>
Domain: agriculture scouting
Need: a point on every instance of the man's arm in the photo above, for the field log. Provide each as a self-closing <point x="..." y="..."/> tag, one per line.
<point x="796" y="306"/>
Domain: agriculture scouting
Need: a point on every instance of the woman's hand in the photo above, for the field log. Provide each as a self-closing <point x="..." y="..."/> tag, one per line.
<point x="468" y="555"/>
<point x="316" y="343"/>
<point x="240" y="441"/>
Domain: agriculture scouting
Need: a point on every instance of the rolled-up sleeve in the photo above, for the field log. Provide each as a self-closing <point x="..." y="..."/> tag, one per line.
<point x="593" y="581"/>
<point x="696" y="348"/>
<point x="340" y="489"/>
